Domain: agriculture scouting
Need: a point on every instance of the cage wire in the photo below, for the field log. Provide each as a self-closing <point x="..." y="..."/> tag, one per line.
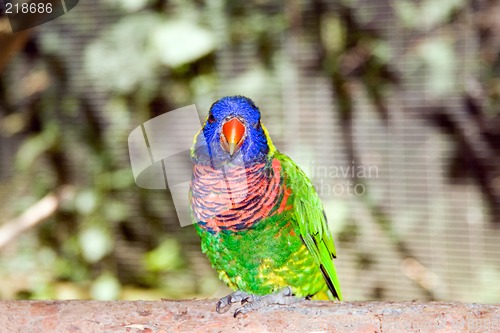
<point x="410" y="232"/>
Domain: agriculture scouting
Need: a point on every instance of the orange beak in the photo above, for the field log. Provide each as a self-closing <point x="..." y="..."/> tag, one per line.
<point x="232" y="139"/>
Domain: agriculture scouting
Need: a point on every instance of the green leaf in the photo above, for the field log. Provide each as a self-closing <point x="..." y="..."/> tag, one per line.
<point x="35" y="146"/>
<point x="427" y="15"/>
<point x="122" y="59"/>
<point x="165" y="257"/>
<point x="434" y="13"/>
<point x="129" y="5"/>
<point x="439" y="57"/>
<point x="181" y="42"/>
<point x="105" y="287"/>
<point x="406" y="11"/>
<point x="115" y="211"/>
<point x="95" y="243"/>
<point x="86" y="201"/>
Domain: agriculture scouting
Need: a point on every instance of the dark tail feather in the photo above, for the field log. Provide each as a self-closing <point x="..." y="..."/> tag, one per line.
<point x="329" y="282"/>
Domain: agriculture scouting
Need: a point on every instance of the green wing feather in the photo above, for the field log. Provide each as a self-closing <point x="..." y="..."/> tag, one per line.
<point x="311" y="222"/>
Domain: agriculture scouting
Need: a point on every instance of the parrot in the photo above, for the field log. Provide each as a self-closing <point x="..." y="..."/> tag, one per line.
<point x="261" y="223"/>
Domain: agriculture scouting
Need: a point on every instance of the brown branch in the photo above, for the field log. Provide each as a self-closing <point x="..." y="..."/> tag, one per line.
<point x="11" y="43"/>
<point x="200" y="316"/>
<point x="36" y="214"/>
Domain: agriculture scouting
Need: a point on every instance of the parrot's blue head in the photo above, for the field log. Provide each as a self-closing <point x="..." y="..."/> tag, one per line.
<point x="231" y="131"/>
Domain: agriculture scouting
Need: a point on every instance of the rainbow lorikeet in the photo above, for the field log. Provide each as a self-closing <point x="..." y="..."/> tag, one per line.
<point x="261" y="223"/>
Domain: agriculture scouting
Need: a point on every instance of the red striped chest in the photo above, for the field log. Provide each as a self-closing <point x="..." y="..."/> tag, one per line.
<point x="235" y="198"/>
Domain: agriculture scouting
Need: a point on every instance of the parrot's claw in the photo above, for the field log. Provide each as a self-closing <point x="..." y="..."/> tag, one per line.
<point x="225" y="302"/>
<point x="248" y="299"/>
<point x="253" y="302"/>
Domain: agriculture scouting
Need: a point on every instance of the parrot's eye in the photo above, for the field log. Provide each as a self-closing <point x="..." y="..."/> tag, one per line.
<point x="211" y="119"/>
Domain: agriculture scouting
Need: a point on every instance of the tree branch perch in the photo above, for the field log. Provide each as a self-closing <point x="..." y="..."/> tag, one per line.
<point x="200" y="316"/>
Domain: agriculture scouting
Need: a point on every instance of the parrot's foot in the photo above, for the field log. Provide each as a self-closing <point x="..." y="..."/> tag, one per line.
<point x="254" y="302"/>
<point x="225" y="302"/>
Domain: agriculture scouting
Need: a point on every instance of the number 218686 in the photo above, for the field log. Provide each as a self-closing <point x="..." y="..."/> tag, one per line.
<point x="26" y="8"/>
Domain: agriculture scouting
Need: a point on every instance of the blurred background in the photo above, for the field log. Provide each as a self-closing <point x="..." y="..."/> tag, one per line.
<point x="391" y="108"/>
